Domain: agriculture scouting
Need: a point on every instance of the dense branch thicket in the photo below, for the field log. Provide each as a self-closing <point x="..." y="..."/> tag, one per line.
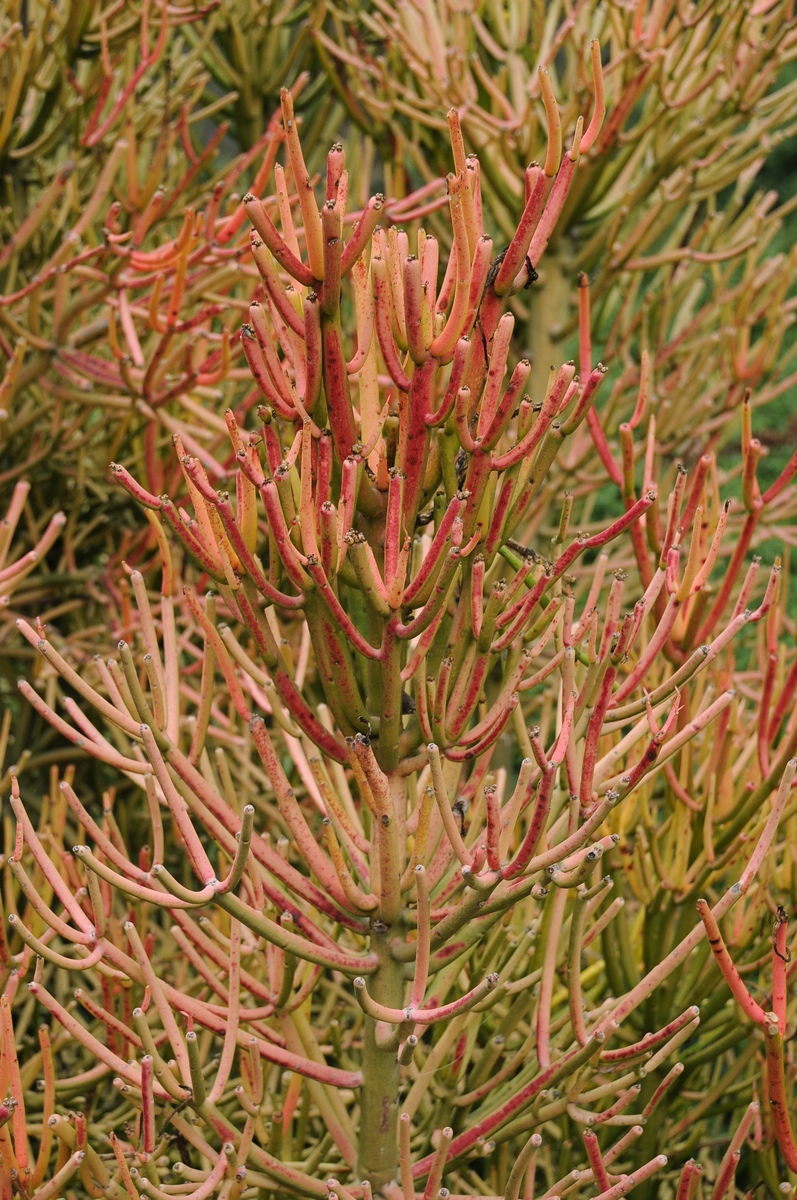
<point x="438" y="834"/>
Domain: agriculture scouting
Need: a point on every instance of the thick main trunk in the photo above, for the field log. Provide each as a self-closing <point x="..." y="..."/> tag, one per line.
<point x="378" y="1150"/>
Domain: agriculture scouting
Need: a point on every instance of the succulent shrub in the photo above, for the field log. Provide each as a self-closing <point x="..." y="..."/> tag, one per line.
<point x="93" y="172"/>
<point x="416" y="770"/>
<point x="118" y="305"/>
<point x="112" y="136"/>
<point x="667" y="216"/>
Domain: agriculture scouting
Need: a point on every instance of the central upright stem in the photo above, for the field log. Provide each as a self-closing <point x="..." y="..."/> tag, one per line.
<point x="390" y="706"/>
<point x="378" y="1150"/>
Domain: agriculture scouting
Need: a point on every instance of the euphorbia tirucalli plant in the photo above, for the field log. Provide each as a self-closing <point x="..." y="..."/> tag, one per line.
<point x="664" y="214"/>
<point x="331" y="965"/>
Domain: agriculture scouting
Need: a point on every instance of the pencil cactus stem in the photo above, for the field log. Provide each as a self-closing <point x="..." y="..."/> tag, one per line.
<point x="274" y="286"/>
<point x="417" y="343"/>
<point x="495" y="373"/>
<point x="778" y="1102"/>
<point x="444" y="806"/>
<point x="780" y="959"/>
<point x="292" y="943"/>
<point x="43" y="910"/>
<point x="422" y="1016"/>
<point x="507" y="406"/>
<point x="393" y="536"/>
<point x="364" y="313"/>
<point x="599" y="111"/>
<point x="394" y="244"/>
<point x="336" y="385"/>
<point x="462" y="416"/>
<point x="238" y="865"/>
<point x="422" y="952"/>
<point x="443" y="584"/>
<point x="537" y="189"/>
<point x="279" y="391"/>
<point x="349" y="629"/>
<point x="446" y="340"/>
<point x="523" y="1166"/>
<point x="442" y="413"/>
<point x="331" y="229"/>
<point x="556" y="201"/>
<point x="307" y="201"/>
<point x="542" y="425"/>
<point x="360" y="901"/>
<point x="178" y="808"/>
<point x="539" y="816"/>
<point x="480" y="270"/>
<point x="248" y="561"/>
<point x="585" y="400"/>
<point x="517" y="1102"/>
<point x="553" y="155"/>
<point x="382" y="303"/>
<point x="290" y="557"/>
<point x="267" y="231"/>
<point x="362" y="233"/>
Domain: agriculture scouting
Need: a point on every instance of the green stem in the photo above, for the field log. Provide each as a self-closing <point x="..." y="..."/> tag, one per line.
<point x="378" y="1150"/>
<point x="390" y="716"/>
